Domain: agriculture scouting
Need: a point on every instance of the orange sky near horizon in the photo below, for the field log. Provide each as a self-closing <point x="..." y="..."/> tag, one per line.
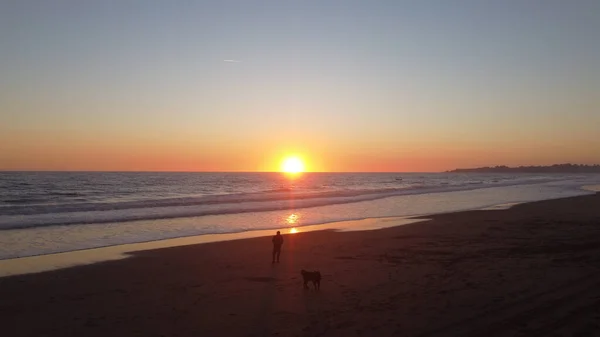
<point x="76" y="153"/>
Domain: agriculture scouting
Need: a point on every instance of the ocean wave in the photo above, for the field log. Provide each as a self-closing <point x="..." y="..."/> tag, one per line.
<point x="65" y="194"/>
<point x="281" y="189"/>
<point x="23" y="201"/>
<point x="272" y="195"/>
<point x="88" y="213"/>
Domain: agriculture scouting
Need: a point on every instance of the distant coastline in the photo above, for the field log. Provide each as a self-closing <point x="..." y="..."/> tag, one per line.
<point x="556" y="168"/>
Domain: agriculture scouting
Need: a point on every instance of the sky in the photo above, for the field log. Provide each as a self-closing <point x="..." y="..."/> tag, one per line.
<point x="236" y="85"/>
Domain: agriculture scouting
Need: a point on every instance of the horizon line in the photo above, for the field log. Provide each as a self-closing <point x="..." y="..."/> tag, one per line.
<point x="191" y="171"/>
<point x="175" y="171"/>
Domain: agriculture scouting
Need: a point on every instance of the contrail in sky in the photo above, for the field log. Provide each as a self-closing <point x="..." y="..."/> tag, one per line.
<point x="232" y="61"/>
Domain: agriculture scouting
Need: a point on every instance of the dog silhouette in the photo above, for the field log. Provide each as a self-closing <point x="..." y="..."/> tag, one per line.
<point x="311" y="276"/>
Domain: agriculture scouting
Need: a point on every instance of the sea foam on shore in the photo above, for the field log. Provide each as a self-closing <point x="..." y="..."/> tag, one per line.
<point x="54" y="239"/>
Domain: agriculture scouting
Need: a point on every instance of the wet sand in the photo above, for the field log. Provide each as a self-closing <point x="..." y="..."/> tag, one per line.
<point x="531" y="270"/>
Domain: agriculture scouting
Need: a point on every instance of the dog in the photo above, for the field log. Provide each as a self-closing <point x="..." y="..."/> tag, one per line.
<point x="311" y="276"/>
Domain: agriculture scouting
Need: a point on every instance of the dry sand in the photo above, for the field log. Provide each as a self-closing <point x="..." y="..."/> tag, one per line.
<point x="532" y="270"/>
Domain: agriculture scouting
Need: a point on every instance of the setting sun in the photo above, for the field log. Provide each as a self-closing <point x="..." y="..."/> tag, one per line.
<point x="292" y="165"/>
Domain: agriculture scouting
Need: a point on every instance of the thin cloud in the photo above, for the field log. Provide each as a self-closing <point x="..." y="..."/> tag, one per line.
<point x="232" y="61"/>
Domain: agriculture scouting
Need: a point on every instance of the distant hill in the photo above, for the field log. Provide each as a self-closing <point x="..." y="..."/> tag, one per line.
<point x="557" y="168"/>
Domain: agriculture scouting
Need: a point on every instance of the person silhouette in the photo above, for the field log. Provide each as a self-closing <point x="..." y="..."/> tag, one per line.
<point x="277" y="243"/>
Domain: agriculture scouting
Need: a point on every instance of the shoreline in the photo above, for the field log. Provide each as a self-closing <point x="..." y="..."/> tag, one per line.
<point x="75" y="258"/>
<point x="86" y="256"/>
<point x="37" y="241"/>
<point x="532" y="269"/>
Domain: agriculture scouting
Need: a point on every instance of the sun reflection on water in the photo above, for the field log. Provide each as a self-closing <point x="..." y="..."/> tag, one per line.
<point x="292" y="219"/>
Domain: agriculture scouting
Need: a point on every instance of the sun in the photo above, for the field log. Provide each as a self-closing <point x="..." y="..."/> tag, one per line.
<point x="292" y="165"/>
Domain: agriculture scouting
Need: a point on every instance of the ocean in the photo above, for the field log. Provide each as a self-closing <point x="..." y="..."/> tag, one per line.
<point x="49" y="212"/>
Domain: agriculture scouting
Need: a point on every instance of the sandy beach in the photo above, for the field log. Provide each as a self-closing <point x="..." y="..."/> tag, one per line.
<point x="531" y="270"/>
